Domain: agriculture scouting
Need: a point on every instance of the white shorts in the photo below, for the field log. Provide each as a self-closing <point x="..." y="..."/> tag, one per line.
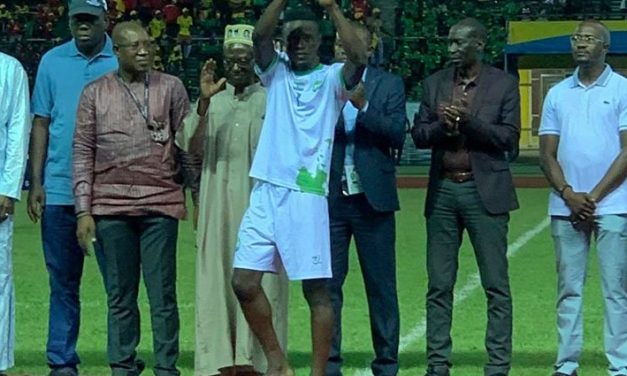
<point x="285" y="228"/>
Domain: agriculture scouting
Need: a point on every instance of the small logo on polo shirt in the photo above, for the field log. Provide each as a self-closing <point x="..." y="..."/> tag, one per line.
<point x="606" y="102"/>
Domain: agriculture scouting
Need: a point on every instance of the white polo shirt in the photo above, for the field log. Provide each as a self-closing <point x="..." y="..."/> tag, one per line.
<point x="588" y="121"/>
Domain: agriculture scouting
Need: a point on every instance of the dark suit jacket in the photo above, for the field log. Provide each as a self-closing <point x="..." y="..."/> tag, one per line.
<point x="378" y="131"/>
<point x="492" y="134"/>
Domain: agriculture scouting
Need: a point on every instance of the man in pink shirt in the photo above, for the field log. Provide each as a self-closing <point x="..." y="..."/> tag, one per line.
<point x="129" y="197"/>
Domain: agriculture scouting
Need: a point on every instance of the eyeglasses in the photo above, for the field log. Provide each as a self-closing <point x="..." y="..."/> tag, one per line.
<point x="587" y="39"/>
<point x="135" y="46"/>
<point x="240" y="62"/>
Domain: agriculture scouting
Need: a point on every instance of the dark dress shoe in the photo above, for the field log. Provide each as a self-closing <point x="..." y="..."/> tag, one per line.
<point x="140" y="365"/>
<point x="63" y="371"/>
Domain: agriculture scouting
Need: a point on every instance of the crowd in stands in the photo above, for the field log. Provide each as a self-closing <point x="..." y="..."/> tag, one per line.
<point x="186" y="32"/>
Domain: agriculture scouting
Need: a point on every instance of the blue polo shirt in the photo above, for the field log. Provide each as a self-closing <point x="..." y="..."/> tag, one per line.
<point x="588" y="121"/>
<point x="62" y="75"/>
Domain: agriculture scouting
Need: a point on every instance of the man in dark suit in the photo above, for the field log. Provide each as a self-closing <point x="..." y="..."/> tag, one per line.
<point x="470" y="117"/>
<point x="362" y="201"/>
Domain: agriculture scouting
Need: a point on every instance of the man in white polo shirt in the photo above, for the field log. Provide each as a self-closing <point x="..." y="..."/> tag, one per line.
<point x="583" y="153"/>
<point x="287" y="221"/>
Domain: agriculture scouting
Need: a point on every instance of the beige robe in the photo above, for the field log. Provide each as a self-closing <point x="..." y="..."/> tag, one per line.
<point x="223" y="338"/>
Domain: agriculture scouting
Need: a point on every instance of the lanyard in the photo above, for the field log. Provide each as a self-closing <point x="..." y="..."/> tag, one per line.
<point x="145" y="109"/>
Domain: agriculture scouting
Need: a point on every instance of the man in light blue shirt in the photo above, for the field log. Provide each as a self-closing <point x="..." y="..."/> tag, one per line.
<point x="14" y="130"/>
<point x="583" y="153"/>
<point x="63" y="73"/>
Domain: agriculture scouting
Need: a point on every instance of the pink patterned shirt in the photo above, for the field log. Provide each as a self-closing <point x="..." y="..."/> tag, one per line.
<point x="119" y="169"/>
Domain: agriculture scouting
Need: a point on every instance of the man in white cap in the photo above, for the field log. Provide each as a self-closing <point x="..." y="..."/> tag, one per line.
<point x="224" y="129"/>
<point x="63" y="73"/>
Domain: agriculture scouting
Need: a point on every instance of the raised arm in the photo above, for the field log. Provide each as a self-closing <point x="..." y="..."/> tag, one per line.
<point x="356" y="49"/>
<point x="264" y="30"/>
<point x="208" y="88"/>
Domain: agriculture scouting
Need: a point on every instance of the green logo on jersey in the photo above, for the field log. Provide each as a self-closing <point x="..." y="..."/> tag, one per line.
<point x="316" y="85"/>
<point x="310" y="183"/>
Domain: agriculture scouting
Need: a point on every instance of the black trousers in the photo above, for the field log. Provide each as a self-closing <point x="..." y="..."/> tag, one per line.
<point x="134" y="246"/>
<point x="458" y="207"/>
<point x="375" y="238"/>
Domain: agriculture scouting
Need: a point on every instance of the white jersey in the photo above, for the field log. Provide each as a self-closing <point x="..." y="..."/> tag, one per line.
<point x="296" y="141"/>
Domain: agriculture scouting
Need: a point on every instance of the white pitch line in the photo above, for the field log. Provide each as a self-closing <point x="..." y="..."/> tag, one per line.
<point x="473" y="283"/>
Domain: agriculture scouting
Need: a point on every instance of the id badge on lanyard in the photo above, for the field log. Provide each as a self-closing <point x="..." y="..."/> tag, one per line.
<point x="351" y="182"/>
<point x="158" y="130"/>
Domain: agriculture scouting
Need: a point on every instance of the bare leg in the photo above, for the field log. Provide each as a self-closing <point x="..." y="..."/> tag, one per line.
<point x="258" y="313"/>
<point x="317" y="296"/>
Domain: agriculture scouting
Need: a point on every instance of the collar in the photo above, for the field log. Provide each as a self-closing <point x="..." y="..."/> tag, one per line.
<point x="475" y="81"/>
<point x="306" y="72"/>
<point x="602" y="80"/>
<point x="107" y="50"/>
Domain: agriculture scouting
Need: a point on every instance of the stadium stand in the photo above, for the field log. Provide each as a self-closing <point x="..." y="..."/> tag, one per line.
<point x="187" y="32"/>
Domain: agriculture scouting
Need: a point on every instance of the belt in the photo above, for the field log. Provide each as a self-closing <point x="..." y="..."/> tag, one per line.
<point x="458" y="176"/>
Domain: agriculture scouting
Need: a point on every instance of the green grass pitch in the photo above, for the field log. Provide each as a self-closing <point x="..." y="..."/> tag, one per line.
<point x="533" y="279"/>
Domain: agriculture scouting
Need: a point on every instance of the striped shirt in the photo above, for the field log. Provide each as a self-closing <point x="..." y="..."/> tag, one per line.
<point x="118" y="168"/>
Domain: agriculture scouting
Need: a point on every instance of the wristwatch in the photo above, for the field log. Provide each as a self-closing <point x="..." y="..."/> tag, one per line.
<point x="560" y="191"/>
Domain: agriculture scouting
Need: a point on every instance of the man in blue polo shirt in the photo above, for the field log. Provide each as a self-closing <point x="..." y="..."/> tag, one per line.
<point x="583" y="153"/>
<point x="63" y="73"/>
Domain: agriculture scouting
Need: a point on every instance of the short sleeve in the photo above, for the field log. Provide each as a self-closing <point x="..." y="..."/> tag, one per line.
<point x="622" y="116"/>
<point x="42" y="101"/>
<point x="549" y="124"/>
<point x="339" y="83"/>
<point x="277" y="67"/>
<point x="180" y="107"/>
